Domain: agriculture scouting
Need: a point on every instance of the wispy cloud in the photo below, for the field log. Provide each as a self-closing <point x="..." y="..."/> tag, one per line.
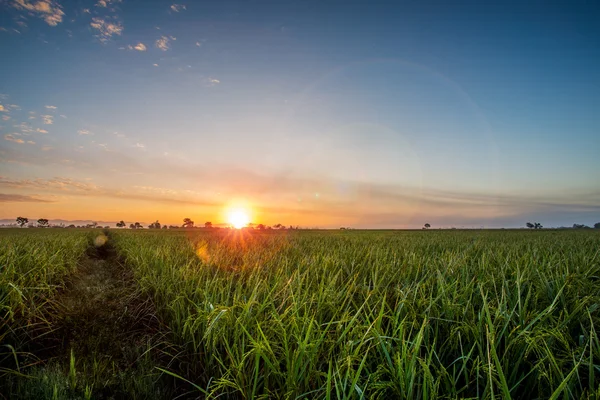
<point x="178" y="7"/>
<point x="50" y="11"/>
<point x="163" y="43"/>
<point x="106" y="3"/>
<point x="24" y="127"/>
<point x="211" y="82"/>
<point x="57" y="183"/>
<point x="47" y="119"/>
<point x="73" y="187"/>
<point x="19" y="198"/>
<point x="2" y="108"/>
<point x="11" y="138"/>
<point x="41" y="130"/>
<point x="30" y="142"/>
<point x="138" y="47"/>
<point x="84" y="132"/>
<point x="5" y="117"/>
<point x="106" y="29"/>
<point x="47" y="148"/>
<point x="51" y="107"/>
<point x="140" y="146"/>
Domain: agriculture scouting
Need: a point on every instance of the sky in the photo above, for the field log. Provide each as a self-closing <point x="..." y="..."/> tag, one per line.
<point x="363" y="114"/>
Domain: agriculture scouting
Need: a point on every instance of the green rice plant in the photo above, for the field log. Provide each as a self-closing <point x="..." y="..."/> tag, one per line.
<point x="367" y="314"/>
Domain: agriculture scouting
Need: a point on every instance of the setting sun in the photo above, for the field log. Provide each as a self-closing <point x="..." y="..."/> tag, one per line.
<point x="238" y="218"/>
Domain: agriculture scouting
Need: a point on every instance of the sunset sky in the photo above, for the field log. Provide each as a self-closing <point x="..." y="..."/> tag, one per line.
<point x="313" y="113"/>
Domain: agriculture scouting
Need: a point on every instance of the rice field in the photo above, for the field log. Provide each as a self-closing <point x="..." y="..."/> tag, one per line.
<point x="342" y="314"/>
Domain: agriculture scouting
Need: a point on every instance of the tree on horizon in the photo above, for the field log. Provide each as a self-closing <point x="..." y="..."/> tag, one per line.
<point x="22" y="221"/>
<point x="188" y="223"/>
<point x="154" y="225"/>
<point x="42" y="223"/>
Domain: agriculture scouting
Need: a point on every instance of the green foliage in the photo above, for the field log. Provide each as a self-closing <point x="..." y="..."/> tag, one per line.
<point x="33" y="264"/>
<point x="440" y="314"/>
<point x="317" y="314"/>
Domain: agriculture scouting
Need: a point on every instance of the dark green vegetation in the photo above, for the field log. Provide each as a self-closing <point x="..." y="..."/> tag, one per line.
<point x="351" y="314"/>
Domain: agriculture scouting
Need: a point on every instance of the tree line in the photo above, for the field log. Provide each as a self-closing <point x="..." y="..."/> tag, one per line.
<point x="189" y="224"/>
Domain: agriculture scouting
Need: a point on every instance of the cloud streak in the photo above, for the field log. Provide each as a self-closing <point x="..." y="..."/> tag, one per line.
<point x="138" y="47"/>
<point x="178" y="7"/>
<point x="13" y="139"/>
<point x="48" y="10"/>
<point x="106" y="29"/>
<point x="19" y="198"/>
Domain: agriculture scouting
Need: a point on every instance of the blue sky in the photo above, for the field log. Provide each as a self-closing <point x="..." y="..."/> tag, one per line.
<point x="363" y="114"/>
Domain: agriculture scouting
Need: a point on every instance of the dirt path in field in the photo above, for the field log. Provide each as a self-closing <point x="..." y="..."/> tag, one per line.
<point x="101" y="313"/>
<point x="105" y="324"/>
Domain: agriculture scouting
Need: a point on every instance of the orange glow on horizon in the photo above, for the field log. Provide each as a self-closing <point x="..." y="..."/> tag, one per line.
<point x="238" y="217"/>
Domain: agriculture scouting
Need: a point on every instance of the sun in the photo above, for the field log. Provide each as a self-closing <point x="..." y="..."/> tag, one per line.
<point x="238" y="218"/>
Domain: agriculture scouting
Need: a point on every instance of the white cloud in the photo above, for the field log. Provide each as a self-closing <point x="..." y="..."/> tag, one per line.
<point x="11" y="138"/>
<point x="51" y="107"/>
<point x="156" y="65"/>
<point x="106" y="29"/>
<point x="140" y="146"/>
<point x="49" y="10"/>
<point x="138" y="47"/>
<point x="84" y="132"/>
<point x="30" y="142"/>
<point x="212" y="82"/>
<point x="178" y="7"/>
<point x="63" y="116"/>
<point x="47" y="119"/>
<point x="198" y="44"/>
<point x="163" y="43"/>
<point x="41" y="130"/>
